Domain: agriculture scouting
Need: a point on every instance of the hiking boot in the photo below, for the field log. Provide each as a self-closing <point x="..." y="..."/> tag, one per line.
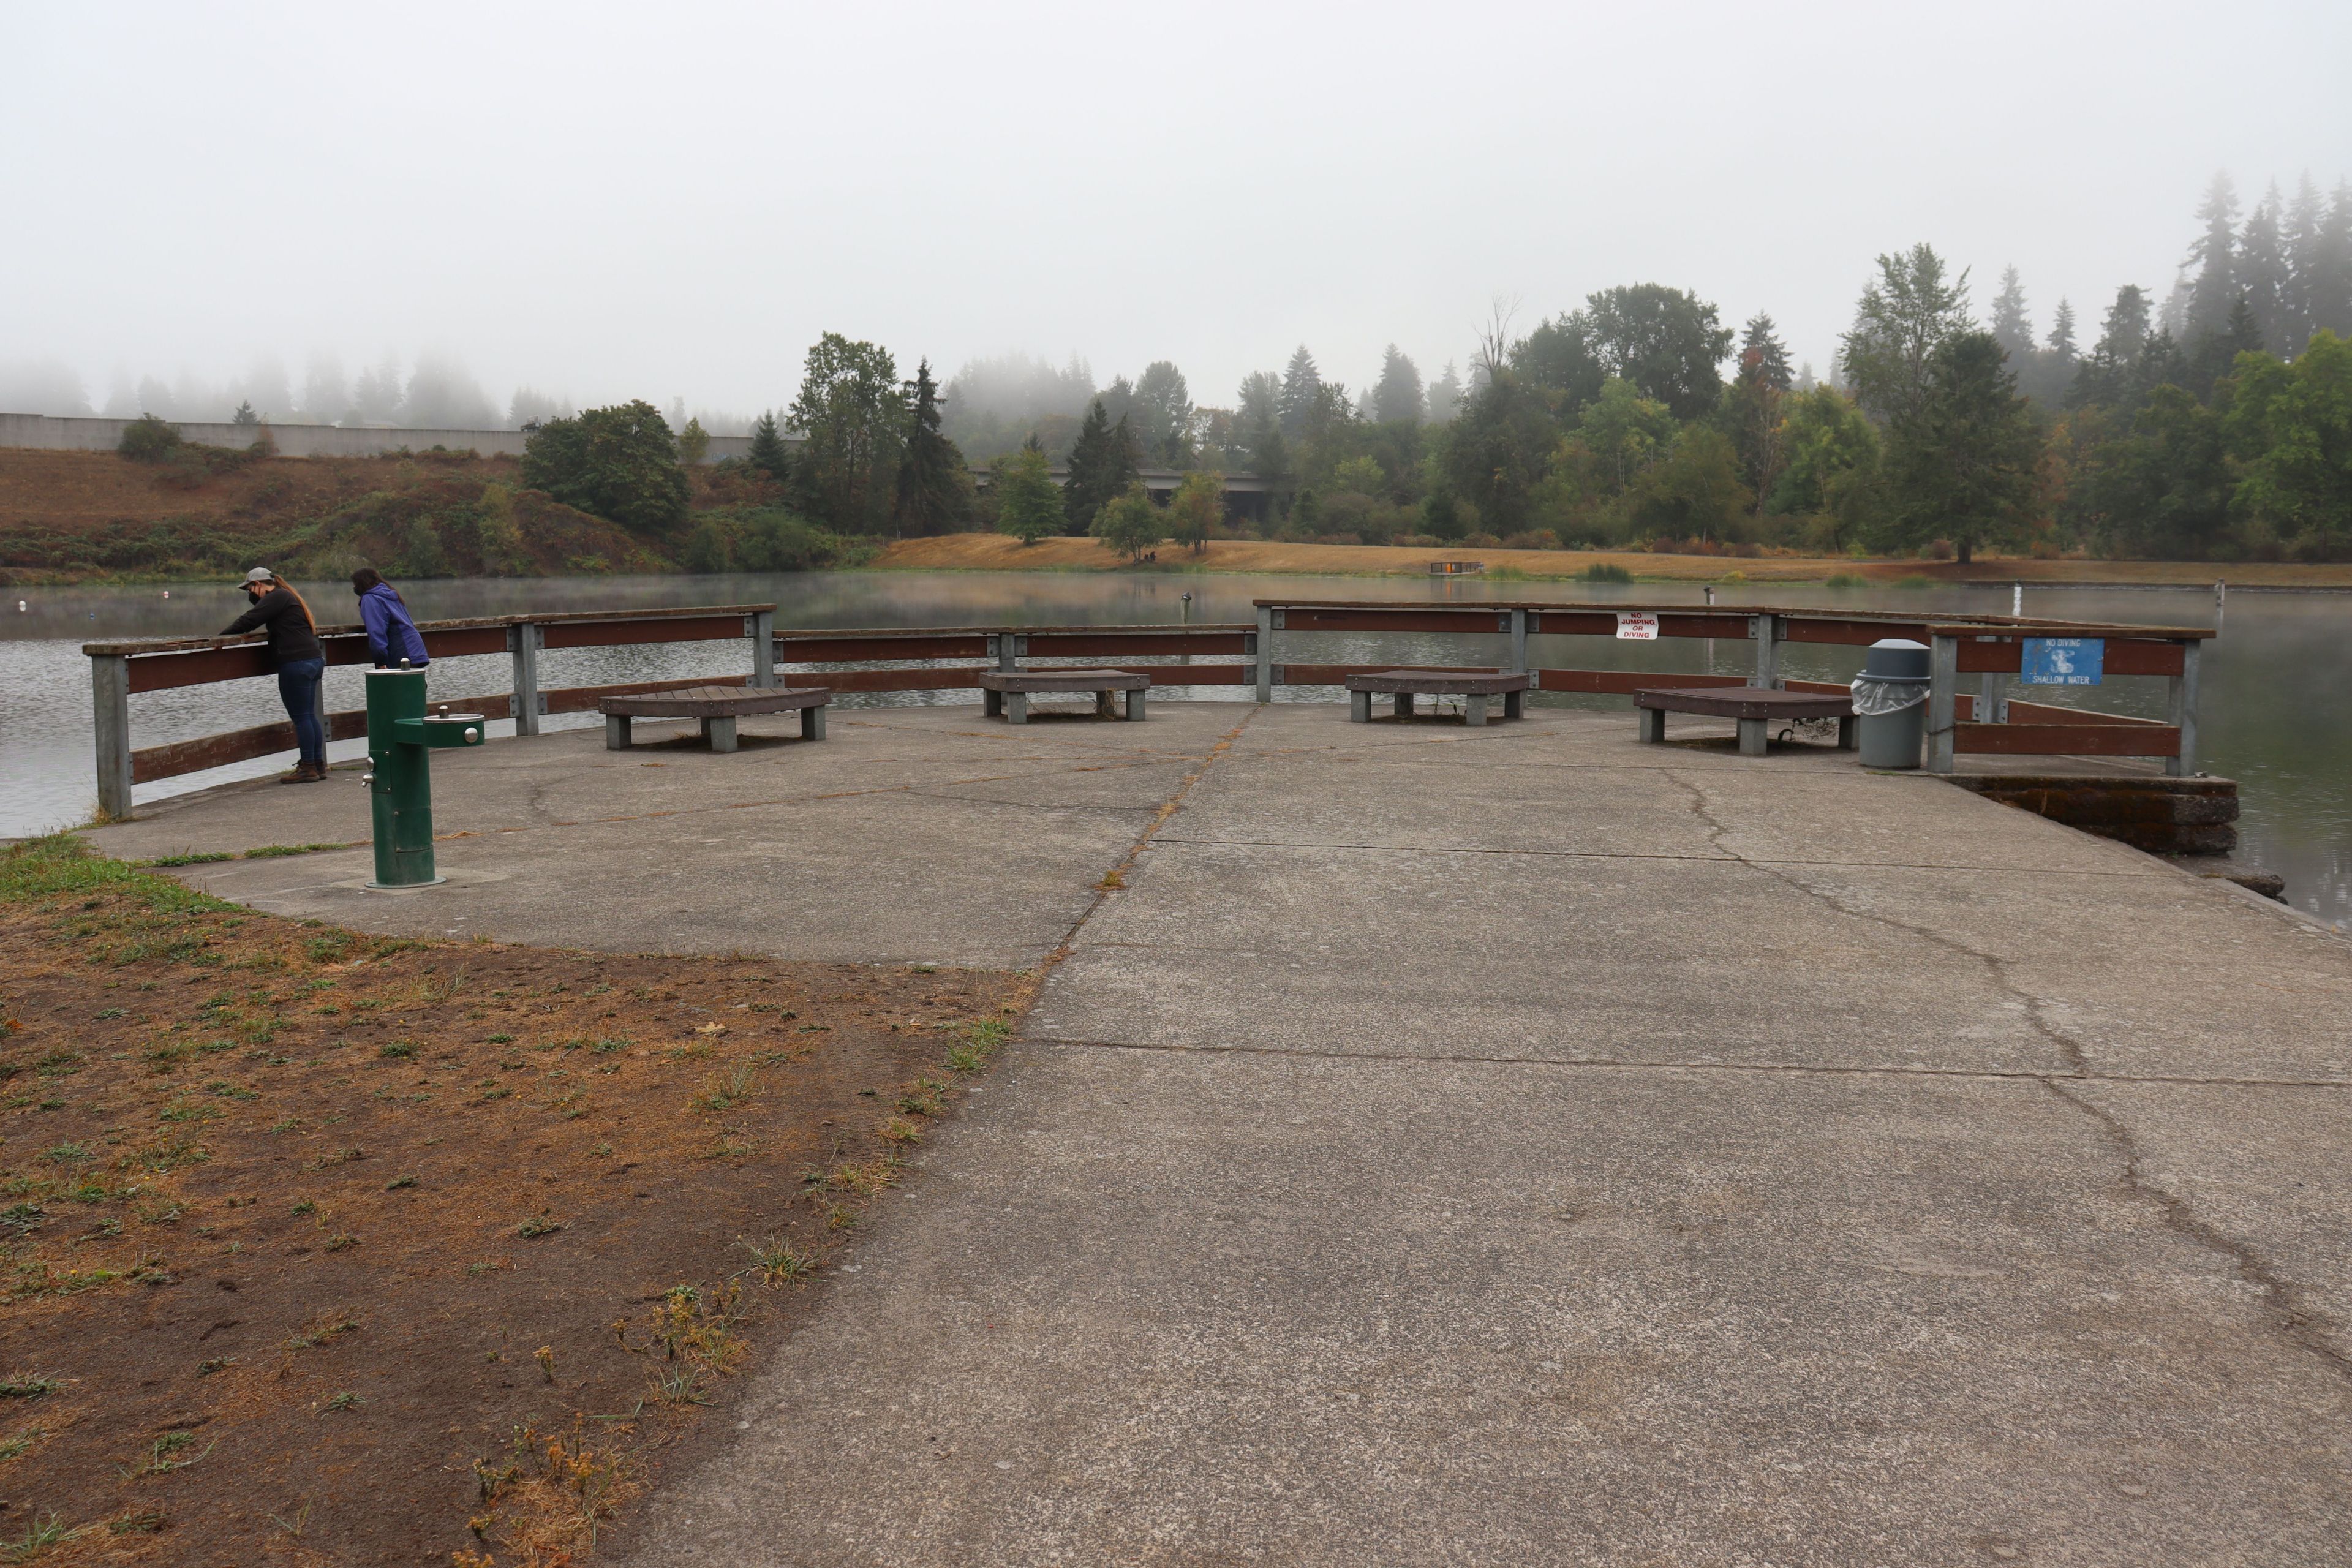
<point x="304" y="773"/>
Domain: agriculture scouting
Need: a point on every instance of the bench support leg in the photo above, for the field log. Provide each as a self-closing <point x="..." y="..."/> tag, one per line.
<point x="720" y="732"/>
<point x="1845" y="732"/>
<point x="1751" y="737"/>
<point x="1654" y="723"/>
<point x="1359" y="707"/>
<point x="1515" y="705"/>
<point x="1016" y="707"/>
<point x="991" y="703"/>
<point x="1102" y="704"/>
<point x="1474" y="709"/>
<point x="1405" y="704"/>
<point x="1135" y="706"/>
<point x="813" y="722"/>
<point x="616" y="732"/>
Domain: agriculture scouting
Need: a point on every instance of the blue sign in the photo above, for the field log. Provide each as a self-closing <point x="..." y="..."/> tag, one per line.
<point x="2062" y="661"/>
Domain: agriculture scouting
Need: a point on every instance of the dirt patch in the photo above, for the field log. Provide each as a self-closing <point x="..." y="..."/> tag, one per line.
<point x="323" y="1247"/>
<point x="1001" y="553"/>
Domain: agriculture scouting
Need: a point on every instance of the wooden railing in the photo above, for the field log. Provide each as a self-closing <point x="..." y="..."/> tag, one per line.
<point x="119" y="670"/>
<point x="1242" y="656"/>
<point x="1959" y="723"/>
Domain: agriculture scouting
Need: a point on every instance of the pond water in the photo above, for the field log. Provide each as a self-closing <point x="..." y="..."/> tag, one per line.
<point x="2276" y="713"/>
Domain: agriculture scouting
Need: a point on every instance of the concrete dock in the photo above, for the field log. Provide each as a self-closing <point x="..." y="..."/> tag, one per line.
<point x="1507" y="1146"/>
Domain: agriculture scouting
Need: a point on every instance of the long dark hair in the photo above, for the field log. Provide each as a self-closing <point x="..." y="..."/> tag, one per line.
<point x="368" y="577"/>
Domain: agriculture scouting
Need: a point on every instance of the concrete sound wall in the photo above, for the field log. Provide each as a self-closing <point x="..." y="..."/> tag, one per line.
<point x="87" y="435"/>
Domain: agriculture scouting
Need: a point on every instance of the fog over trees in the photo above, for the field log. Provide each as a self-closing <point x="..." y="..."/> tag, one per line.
<point x="1959" y="415"/>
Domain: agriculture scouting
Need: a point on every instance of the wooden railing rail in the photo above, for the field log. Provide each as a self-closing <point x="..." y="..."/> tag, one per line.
<point x="946" y="659"/>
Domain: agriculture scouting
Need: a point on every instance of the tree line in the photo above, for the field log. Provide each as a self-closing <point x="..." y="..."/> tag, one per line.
<point x="2216" y="426"/>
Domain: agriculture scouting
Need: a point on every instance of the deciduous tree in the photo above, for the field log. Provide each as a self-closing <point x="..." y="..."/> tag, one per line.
<point x="1666" y="342"/>
<point x="1196" y="508"/>
<point x="619" y="463"/>
<point x="853" y="415"/>
<point x="1128" y="522"/>
<point x="1906" y="314"/>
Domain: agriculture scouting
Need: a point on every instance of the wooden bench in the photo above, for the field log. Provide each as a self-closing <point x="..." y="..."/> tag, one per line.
<point x="718" y="708"/>
<point x="1755" y="707"/>
<point x="1009" y="691"/>
<point x="1475" y="688"/>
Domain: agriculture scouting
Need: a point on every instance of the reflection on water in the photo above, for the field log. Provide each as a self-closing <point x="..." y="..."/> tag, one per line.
<point x="2275" y="714"/>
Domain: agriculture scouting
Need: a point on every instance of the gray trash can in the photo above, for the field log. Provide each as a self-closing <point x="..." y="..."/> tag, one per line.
<point x="1890" y="703"/>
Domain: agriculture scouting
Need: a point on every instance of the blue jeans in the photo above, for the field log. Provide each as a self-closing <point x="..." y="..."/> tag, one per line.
<point x="298" y="688"/>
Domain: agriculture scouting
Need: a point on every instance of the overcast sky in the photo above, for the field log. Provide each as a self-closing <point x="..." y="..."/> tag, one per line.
<point x="667" y="201"/>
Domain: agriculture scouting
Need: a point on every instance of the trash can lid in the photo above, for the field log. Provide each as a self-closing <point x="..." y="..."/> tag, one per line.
<point x="1897" y="658"/>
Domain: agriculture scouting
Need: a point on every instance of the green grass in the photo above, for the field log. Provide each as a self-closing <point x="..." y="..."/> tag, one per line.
<point x="1845" y="580"/>
<point x="274" y="851"/>
<point x="1605" y="572"/>
<point x="1914" y="580"/>
<point x="61" y="866"/>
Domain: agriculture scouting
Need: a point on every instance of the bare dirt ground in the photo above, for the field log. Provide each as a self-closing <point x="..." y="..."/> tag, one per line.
<point x="1002" y="552"/>
<point x="319" y="1247"/>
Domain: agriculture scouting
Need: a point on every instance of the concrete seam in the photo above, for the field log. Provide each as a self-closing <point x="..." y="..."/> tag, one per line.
<point x="1116" y="878"/>
<point x="1725" y="859"/>
<point x="1639" y="1064"/>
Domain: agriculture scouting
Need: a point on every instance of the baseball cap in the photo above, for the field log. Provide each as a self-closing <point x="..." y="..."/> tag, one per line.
<point x="261" y="574"/>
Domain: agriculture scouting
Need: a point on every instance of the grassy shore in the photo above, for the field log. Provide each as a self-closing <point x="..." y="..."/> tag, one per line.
<point x="319" y="1246"/>
<point x="1001" y="553"/>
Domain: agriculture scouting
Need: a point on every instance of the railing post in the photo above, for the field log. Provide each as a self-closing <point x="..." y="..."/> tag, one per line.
<point x="1518" y="642"/>
<point x="110" y="686"/>
<point x="1768" y="649"/>
<point x="762" y="625"/>
<point x="1992" y="708"/>
<point x="1009" y="649"/>
<point x="1265" y="653"/>
<point x="1943" y="684"/>
<point x="2183" y="703"/>
<point x="523" y="640"/>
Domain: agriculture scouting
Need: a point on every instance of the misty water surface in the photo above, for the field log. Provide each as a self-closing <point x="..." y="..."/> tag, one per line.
<point x="2276" y="715"/>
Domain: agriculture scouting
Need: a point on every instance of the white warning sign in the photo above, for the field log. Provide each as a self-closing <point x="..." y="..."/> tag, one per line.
<point x="1637" y="625"/>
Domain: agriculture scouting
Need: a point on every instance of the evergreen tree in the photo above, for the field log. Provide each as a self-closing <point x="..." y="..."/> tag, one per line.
<point x="1762" y="354"/>
<point x="2299" y="240"/>
<point x="2215" y="257"/>
<point x="245" y="415"/>
<point x="2062" y="333"/>
<point x="2012" y="327"/>
<point x="1103" y="463"/>
<point x="2263" y="285"/>
<point x="934" y="484"/>
<point x="1907" y="312"/>
<point x="1300" y="381"/>
<point x="770" y="455"/>
<point x="1397" y="399"/>
<point x="1444" y="395"/>
<point x="2214" y="356"/>
<point x="1559" y="360"/>
<point x="1028" y="501"/>
<point x="2331" y="268"/>
<point x="1962" y="463"/>
<point x="1163" y="414"/>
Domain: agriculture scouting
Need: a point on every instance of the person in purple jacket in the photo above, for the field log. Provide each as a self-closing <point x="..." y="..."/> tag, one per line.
<point x="392" y="635"/>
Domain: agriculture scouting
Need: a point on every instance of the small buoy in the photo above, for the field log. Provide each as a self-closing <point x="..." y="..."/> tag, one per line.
<point x="167" y="592"/>
<point x="20" y="606"/>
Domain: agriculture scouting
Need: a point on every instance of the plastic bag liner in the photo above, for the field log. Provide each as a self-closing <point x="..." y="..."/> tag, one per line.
<point x="1876" y="696"/>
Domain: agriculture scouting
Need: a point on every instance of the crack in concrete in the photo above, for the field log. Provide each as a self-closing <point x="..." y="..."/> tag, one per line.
<point x="2285" y="1303"/>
